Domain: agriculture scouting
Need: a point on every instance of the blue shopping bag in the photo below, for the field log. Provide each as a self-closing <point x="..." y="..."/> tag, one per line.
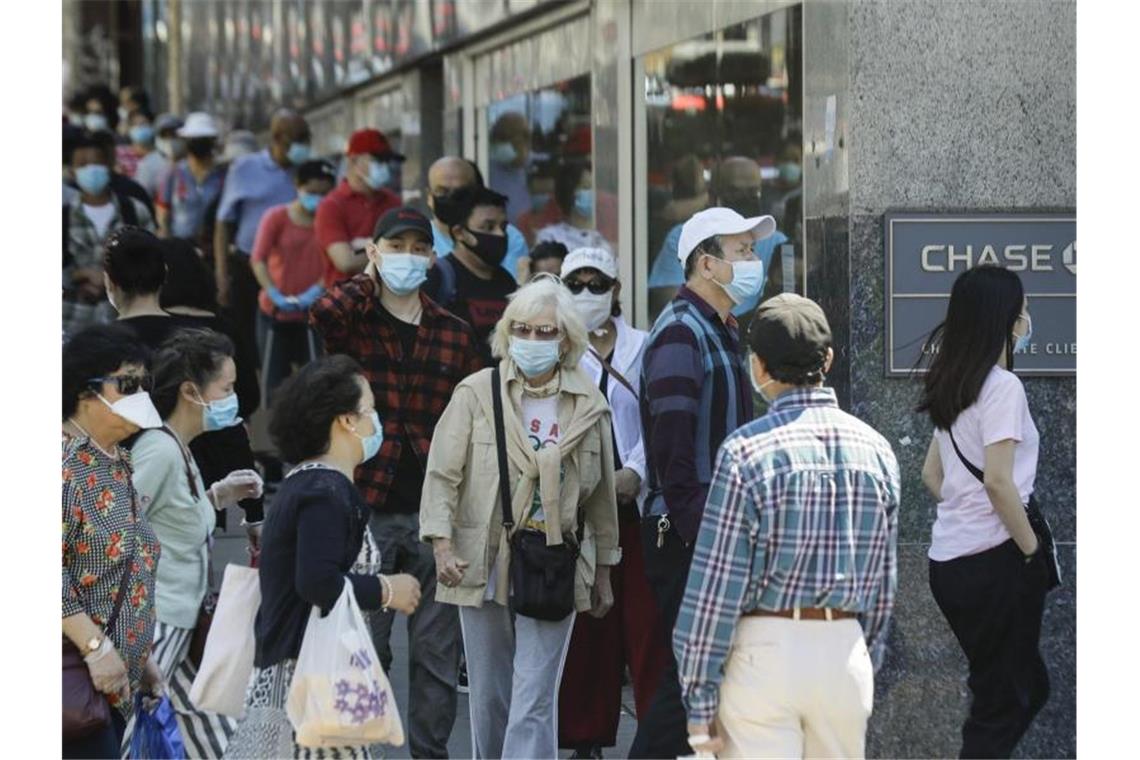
<point x="156" y="734"/>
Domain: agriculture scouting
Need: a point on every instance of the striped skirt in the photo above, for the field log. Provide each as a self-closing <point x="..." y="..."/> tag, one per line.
<point x="205" y="734"/>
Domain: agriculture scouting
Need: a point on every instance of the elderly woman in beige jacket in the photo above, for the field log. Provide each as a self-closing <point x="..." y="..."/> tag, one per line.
<point x="560" y="465"/>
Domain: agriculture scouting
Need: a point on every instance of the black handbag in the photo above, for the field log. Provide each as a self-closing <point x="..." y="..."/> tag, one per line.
<point x="541" y="576"/>
<point x="1047" y="547"/>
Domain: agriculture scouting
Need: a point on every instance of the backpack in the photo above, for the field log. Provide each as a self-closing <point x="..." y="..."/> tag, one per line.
<point x="446" y="294"/>
<point x="126" y="210"/>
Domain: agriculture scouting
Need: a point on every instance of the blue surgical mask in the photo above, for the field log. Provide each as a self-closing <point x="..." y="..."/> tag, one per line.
<point x="310" y="201"/>
<point x="759" y="387"/>
<point x="403" y="273"/>
<point x="371" y="443"/>
<point x="584" y="202"/>
<point x="298" y="153"/>
<point x="142" y="134"/>
<point x="503" y="153"/>
<point x="220" y="414"/>
<point x="538" y="201"/>
<point x="93" y="178"/>
<point x="747" y="279"/>
<point x="534" y="357"/>
<point x="1021" y="342"/>
<point x="95" y="122"/>
<point x="379" y="174"/>
<point x="790" y="172"/>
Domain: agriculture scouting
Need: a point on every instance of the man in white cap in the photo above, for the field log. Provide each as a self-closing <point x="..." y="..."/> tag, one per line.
<point x="191" y="185"/>
<point x="695" y="390"/>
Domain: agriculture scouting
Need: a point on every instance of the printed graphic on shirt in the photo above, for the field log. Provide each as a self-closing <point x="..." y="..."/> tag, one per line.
<point x="541" y="421"/>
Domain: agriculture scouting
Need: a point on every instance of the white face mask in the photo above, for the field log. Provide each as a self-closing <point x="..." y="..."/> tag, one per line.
<point x="136" y="408"/>
<point x="594" y="309"/>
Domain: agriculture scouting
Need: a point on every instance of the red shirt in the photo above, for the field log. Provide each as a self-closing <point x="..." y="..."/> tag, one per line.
<point x="293" y="257"/>
<point x="344" y="215"/>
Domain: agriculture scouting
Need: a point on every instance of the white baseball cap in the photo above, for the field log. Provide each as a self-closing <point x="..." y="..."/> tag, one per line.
<point x="590" y="258"/>
<point x="199" y="124"/>
<point x="720" y="221"/>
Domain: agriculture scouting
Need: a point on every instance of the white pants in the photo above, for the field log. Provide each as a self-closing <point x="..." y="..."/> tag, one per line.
<point x="514" y="668"/>
<point x="796" y="688"/>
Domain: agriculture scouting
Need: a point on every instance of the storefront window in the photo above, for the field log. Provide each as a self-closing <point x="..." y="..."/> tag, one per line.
<point x="723" y="120"/>
<point x="540" y="156"/>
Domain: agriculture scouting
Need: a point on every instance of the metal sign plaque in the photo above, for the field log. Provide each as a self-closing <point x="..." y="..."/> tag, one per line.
<point x="925" y="253"/>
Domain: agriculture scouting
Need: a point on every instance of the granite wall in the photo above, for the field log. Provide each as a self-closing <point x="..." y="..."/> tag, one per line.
<point x="941" y="106"/>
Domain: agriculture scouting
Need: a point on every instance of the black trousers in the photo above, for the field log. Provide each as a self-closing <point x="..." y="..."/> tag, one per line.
<point x="220" y="452"/>
<point x="663" y="732"/>
<point x="244" y="290"/>
<point x="994" y="603"/>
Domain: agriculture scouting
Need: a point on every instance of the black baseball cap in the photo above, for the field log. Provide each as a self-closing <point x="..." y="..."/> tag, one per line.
<point x="399" y="220"/>
<point x="790" y="334"/>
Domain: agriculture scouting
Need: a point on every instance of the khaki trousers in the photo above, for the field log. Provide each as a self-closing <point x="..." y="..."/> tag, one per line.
<point x="796" y="688"/>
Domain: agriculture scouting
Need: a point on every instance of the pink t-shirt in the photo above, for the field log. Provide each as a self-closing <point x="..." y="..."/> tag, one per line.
<point x="966" y="522"/>
<point x="293" y="257"/>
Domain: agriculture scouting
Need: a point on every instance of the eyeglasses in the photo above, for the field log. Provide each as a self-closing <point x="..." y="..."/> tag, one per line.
<point x="597" y="286"/>
<point x="540" y="332"/>
<point x="127" y="384"/>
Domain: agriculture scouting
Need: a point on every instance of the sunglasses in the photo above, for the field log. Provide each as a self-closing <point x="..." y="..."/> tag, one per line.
<point x="597" y="286"/>
<point x="127" y="384"/>
<point x="540" y="332"/>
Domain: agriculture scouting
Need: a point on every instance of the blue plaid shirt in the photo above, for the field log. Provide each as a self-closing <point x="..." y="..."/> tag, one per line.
<point x="802" y="512"/>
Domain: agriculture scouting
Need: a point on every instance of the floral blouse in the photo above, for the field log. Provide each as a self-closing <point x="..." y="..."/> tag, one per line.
<point x="101" y="527"/>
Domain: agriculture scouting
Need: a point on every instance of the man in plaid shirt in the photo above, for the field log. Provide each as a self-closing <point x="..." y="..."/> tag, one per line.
<point x="414" y="354"/>
<point x="793" y="577"/>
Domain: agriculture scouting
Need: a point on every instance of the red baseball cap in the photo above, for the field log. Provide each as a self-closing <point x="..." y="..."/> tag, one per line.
<point x="373" y="142"/>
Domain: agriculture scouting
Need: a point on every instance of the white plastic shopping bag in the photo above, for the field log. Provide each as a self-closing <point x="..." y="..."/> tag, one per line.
<point x="340" y="695"/>
<point x="227" y="660"/>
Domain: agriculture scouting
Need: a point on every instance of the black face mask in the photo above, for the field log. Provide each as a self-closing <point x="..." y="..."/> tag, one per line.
<point x="746" y="203"/>
<point x="201" y="148"/>
<point x="492" y="249"/>
<point x="445" y="208"/>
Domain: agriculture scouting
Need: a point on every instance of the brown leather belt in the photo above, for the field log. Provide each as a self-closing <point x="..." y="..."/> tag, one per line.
<point x="805" y="613"/>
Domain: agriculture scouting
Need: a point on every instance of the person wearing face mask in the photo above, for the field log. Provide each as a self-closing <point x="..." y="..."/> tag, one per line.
<point x="168" y="143"/>
<point x="445" y="176"/>
<point x="346" y="219"/>
<point x="194" y="376"/>
<point x="694" y="392"/>
<point x="470" y="283"/>
<point x="510" y="156"/>
<point x="991" y="563"/>
<point x="413" y="353"/>
<point x="555" y="443"/>
<point x="108" y="543"/>
<point x="254" y="184"/>
<point x="191" y="185"/>
<point x="88" y="221"/>
<point x="600" y="650"/>
<point x="148" y="162"/>
<point x="762" y="631"/>
<point x="324" y="419"/>
<point x="736" y="185"/>
<point x="574" y="194"/>
<point x="290" y="268"/>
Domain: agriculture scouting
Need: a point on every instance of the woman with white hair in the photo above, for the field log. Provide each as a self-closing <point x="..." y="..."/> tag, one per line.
<point x="543" y="421"/>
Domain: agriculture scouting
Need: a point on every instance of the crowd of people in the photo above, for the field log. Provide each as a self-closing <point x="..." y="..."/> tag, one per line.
<point x="469" y="433"/>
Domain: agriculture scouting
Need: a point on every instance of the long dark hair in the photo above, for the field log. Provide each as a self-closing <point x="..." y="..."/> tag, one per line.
<point x="985" y="304"/>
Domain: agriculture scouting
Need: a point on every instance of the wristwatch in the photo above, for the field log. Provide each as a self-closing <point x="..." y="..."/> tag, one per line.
<point x="92" y="644"/>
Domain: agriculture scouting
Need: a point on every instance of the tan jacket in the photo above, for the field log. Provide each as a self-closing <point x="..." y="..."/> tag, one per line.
<point x="461" y="490"/>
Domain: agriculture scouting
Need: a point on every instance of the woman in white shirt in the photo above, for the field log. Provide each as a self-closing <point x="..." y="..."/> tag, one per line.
<point x="590" y="696"/>
<point x="987" y="572"/>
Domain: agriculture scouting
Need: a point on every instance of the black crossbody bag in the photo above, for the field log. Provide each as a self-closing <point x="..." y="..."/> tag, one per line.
<point x="541" y="576"/>
<point x="1046" y="545"/>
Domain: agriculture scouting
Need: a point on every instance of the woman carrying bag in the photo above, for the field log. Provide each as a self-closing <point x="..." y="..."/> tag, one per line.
<point x="324" y="418"/>
<point x="194" y="393"/>
<point x="992" y="558"/>
<point x="519" y="505"/>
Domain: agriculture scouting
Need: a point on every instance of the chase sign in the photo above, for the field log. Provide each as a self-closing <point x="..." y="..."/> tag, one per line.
<point x="925" y="253"/>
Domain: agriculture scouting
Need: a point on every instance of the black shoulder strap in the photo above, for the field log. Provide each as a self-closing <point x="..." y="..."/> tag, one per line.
<point x="501" y="446"/>
<point x="127" y="210"/>
<point x="974" y="470"/>
<point x="185" y="460"/>
<point x="609" y="368"/>
<point x="67" y="259"/>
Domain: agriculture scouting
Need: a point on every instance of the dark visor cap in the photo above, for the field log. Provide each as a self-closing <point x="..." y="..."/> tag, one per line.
<point x="400" y="220"/>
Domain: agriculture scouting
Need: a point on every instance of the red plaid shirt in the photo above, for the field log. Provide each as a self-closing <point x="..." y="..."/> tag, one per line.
<point x="411" y="394"/>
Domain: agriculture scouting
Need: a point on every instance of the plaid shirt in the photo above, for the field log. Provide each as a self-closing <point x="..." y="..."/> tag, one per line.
<point x="802" y="512"/>
<point x="86" y="249"/>
<point x="694" y="392"/>
<point x="411" y="392"/>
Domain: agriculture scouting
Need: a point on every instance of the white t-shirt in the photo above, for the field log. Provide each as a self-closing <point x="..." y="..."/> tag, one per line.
<point x="967" y="522"/>
<point x="100" y="216"/>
